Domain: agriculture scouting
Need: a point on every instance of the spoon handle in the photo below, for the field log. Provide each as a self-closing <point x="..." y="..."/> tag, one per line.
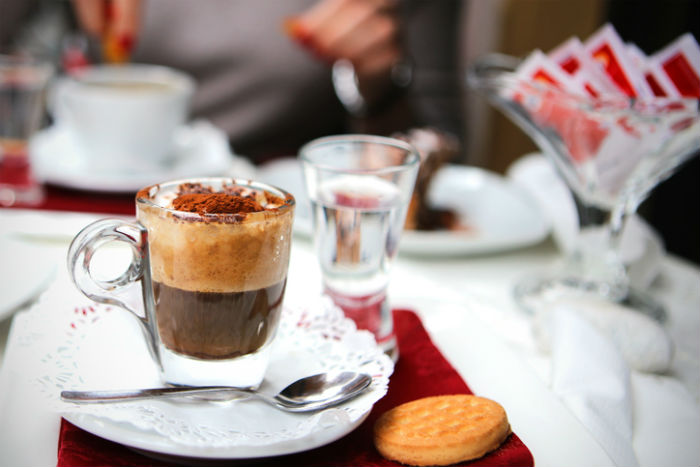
<point x="140" y="394"/>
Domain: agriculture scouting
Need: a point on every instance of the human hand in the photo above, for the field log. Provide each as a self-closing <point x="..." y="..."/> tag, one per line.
<point x="365" y="32"/>
<point x="114" y="22"/>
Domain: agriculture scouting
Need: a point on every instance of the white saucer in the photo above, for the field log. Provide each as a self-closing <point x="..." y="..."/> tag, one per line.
<point x="101" y="347"/>
<point x="201" y="149"/>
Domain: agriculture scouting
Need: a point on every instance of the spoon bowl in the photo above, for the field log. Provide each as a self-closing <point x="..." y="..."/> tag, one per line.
<point x="308" y="394"/>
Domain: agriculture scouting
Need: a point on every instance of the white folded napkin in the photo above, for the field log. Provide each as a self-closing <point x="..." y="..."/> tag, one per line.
<point x="592" y="378"/>
<point x="642" y="342"/>
<point x="537" y="176"/>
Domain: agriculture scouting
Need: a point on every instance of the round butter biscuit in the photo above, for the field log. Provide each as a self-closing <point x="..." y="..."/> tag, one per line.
<point x="441" y="430"/>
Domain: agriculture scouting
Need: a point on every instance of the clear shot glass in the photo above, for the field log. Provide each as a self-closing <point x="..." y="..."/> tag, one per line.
<point x="360" y="187"/>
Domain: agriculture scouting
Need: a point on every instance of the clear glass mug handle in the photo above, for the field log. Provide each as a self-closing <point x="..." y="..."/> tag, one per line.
<point x="81" y="252"/>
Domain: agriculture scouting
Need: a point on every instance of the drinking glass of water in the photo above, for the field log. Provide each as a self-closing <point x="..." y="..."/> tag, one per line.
<point x="360" y="187"/>
<point x="23" y="82"/>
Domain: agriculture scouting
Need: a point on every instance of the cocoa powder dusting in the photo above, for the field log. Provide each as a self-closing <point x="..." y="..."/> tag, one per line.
<point x="216" y="203"/>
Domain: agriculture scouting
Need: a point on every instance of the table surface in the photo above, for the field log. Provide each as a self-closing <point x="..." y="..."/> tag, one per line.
<point x="467" y="307"/>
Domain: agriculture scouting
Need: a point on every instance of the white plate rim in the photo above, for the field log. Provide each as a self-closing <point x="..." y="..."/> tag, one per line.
<point x="153" y="443"/>
<point x="209" y="140"/>
<point x="418" y="243"/>
<point x="142" y="437"/>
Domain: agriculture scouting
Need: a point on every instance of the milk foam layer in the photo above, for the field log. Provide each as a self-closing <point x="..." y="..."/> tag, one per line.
<point x="213" y="253"/>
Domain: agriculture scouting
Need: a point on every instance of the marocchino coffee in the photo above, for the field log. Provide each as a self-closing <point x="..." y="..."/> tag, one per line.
<point x="218" y="265"/>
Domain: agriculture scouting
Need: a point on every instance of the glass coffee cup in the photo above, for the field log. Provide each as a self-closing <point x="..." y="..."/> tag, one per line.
<point x="211" y="255"/>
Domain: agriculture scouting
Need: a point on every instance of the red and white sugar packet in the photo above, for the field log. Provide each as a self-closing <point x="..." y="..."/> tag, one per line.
<point x="569" y="55"/>
<point x="587" y="73"/>
<point x="558" y="105"/>
<point x="680" y="61"/>
<point x="658" y="81"/>
<point x="539" y="68"/>
<point x="606" y="47"/>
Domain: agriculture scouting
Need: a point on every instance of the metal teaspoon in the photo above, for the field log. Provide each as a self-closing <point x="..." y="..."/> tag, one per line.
<point x="307" y="394"/>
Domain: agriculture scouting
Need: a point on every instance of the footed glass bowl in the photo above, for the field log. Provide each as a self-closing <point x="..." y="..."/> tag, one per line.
<point x="611" y="152"/>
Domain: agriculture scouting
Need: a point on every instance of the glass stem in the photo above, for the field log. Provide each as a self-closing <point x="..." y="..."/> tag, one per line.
<point x="618" y="216"/>
<point x="596" y="263"/>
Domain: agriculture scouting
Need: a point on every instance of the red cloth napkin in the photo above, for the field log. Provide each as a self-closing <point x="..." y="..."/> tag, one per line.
<point x="56" y="198"/>
<point x="421" y="371"/>
<point x="63" y="199"/>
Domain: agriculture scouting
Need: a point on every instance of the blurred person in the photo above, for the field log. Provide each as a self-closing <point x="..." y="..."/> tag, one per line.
<point x="264" y="69"/>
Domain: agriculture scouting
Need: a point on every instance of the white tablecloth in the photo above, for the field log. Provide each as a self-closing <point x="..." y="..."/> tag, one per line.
<point x="466" y="305"/>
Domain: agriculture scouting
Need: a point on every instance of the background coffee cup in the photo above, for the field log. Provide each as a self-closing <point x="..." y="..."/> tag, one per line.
<point x="123" y="117"/>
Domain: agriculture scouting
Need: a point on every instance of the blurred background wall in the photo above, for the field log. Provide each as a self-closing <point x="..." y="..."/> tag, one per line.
<point x="516" y="27"/>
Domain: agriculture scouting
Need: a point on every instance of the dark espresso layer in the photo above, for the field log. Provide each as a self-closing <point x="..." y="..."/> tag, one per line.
<point x="212" y="325"/>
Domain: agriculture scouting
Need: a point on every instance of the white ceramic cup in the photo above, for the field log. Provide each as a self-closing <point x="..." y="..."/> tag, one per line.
<point x="123" y="118"/>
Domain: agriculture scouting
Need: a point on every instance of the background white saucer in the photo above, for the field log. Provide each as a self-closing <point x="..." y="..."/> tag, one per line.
<point x="201" y="149"/>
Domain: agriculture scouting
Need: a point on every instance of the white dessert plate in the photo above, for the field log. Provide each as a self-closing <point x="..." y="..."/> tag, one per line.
<point x="499" y="215"/>
<point x="200" y="149"/>
<point x="102" y="347"/>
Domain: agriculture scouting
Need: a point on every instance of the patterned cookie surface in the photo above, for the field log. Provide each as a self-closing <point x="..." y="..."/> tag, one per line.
<point x="441" y="430"/>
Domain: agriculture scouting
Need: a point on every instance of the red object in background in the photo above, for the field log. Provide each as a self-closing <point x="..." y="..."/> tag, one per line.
<point x="18" y="187"/>
<point x="571" y="65"/>
<point x="612" y="67"/>
<point x="353" y="200"/>
<point x="74" y="60"/>
<point x="365" y="311"/>
<point x="581" y="134"/>
<point x="421" y="371"/>
<point x="654" y="85"/>
<point x="543" y="77"/>
<point x="682" y="75"/>
<point x="64" y="199"/>
<point x="15" y="170"/>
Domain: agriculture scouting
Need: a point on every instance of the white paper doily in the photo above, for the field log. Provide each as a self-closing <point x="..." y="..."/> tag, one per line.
<point x="93" y="346"/>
